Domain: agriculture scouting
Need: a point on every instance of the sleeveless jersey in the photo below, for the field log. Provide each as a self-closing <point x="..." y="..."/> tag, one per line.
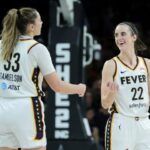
<point x="132" y="99"/>
<point x="22" y="76"/>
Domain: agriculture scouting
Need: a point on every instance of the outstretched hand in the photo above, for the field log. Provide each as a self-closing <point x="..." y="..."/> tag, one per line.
<point x="81" y="89"/>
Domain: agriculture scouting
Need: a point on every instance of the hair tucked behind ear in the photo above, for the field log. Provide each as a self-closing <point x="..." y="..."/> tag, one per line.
<point x="10" y="34"/>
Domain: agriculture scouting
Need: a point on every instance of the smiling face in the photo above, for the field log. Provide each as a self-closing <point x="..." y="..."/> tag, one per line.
<point x="124" y="37"/>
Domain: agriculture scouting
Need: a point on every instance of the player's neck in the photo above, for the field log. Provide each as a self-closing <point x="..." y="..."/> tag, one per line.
<point x="130" y="60"/>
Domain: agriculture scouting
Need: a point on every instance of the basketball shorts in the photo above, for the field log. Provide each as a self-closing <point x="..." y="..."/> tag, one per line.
<point x="127" y="133"/>
<point x="22" y="123"/>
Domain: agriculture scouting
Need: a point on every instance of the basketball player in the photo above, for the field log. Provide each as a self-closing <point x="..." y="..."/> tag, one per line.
<point x="23" y="64"/>
<point x="124" y="91"/>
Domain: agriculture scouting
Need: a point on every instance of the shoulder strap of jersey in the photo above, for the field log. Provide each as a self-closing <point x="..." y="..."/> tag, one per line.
<point x="114" y="75"/>
<point x="32" y="46"/>
<point x="145" y="65"/>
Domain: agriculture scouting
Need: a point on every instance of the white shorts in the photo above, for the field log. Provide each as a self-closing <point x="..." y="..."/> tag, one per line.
<point x="22" y="123"/>
<point x="127" y="133"/>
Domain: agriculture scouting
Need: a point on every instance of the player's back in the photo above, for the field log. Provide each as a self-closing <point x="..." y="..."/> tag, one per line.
<point x="20" y="77"/>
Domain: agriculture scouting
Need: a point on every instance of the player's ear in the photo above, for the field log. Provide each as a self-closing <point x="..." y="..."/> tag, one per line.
<point x="134" y="37"/>
<point x="30" y="28"/>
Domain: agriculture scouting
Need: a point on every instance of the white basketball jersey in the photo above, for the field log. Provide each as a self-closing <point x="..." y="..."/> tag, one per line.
<point x="132" y="98"/>
<point x="22" y="76"/>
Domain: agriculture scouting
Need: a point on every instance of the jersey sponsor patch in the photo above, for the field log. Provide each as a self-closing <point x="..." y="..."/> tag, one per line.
<point x="3" y="86"/>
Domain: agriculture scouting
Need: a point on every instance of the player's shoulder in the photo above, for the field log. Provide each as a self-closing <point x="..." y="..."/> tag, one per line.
<point x="109" y="67"/>
<point x="40" y="45"/>
<point x="146" y="60"/>
<point x="38" y="49"/>
<point x="110" y="63"/>
<point x="37" y="46"/>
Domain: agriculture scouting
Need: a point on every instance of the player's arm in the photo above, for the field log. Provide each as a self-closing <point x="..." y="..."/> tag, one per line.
<point x="42" y="56"/>
<point x="63" y="87"/>
<point x="108" y="86"/>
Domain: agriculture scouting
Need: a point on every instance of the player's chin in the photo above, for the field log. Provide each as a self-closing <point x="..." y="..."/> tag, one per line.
<point x="122" y="48"/>
<point x="39" y="33"/>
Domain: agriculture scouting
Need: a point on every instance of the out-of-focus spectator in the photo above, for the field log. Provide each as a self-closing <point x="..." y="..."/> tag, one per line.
<point x="91" y="116"/>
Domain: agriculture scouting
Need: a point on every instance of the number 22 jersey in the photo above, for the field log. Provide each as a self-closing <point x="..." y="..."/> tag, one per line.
<point x="132" y="99"/>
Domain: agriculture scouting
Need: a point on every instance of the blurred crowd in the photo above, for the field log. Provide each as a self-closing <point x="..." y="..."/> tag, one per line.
<point x="96" y="115"/>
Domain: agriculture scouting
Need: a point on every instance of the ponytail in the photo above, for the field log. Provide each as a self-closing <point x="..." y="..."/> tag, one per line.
<point x="10" y="34"/>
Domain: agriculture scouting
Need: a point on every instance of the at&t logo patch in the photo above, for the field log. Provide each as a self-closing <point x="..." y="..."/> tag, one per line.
<point x="3" y="86"/>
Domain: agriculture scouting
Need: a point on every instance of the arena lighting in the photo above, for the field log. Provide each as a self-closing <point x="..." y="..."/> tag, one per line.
<point x="67" y="10"/>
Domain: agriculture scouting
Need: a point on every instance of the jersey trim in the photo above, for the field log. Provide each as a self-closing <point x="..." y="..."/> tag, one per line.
<point x="113" y="108"/>
<point x="137" y="62"/>
<point x="31" y="47"/>
<point x="38" y="118"/>
<point x="114" y="75"/>
<point x="35" y="80"/>
<point x="145" y="65"/>
<point x="108" y="133"/>
<point x="25" y="39"/>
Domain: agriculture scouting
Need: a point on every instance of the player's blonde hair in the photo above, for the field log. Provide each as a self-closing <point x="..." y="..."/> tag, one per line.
<point x="14" y="24"/>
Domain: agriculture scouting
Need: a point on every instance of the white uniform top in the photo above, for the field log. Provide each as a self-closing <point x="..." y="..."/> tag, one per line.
<point x="132" y="98"/>
<point x="22" y="76"/>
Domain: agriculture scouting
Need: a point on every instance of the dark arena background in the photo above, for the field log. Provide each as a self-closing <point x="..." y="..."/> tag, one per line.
<point x="79" y="35"/>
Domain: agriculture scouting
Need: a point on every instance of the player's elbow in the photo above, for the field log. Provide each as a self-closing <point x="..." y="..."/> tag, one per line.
<point x="56" y="88"/>
<point x="105" y="104"/>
